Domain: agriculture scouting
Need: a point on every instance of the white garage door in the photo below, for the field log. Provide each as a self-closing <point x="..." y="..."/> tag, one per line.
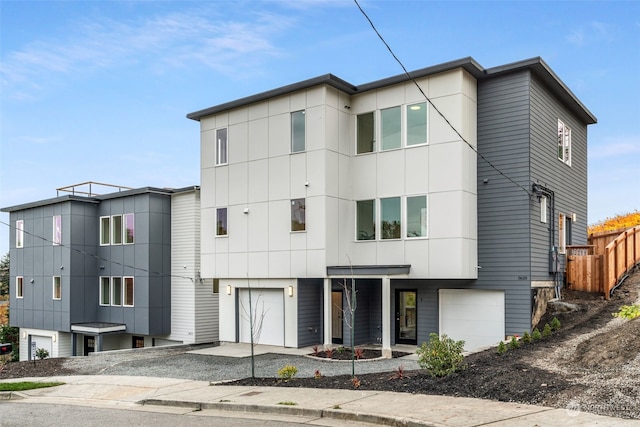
<point x="268" y="314"/>
<point x="475" y="316"/>
<point x="41" y="342"/>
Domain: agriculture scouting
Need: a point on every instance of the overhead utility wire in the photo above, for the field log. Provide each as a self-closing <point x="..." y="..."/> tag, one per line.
<point x="99" y="258"/>
<point x="432" y="104"/>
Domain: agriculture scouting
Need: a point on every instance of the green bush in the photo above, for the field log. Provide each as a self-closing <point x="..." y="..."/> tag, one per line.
<point x="547" y="330"/>
<point x="536" y="335"/>
<point x="287" y="372"/>
<point x="628" y="312"/>
<point x="441" y="356"/>
<point x="42" y="353"/>
<point x="555" y="324"/>
<point x="11" y="334"/>
<point x="526" y="338"/>
<point x="502" y="348"/>
<point x="514" y="343"/>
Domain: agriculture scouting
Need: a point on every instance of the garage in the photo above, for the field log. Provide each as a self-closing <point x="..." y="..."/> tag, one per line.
<point x="38" y="342"/>
<point x="475" y="316"/>
<point x="268" y="313"/>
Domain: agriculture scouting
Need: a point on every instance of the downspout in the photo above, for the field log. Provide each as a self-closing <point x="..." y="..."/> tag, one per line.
<point x="540" y="191"/>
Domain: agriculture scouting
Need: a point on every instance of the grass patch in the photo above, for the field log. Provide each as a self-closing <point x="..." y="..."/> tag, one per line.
<point x="26" y="385"/>
<point x="287" y="403"/>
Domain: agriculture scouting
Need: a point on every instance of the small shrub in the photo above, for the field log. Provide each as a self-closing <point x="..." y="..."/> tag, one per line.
<point x="341" y="350"/>
<point x="317" y="374"/>
<point x="526" y="338"/>
<point x="398" y="373"/>
<point x="329" y="353"/>
<point x="546" y="331"/>
<point x="628" y="312"/>
<point x="359" y="353"/>
<point x="42" y="353"/>
<point x="315" y="350"/>
<point x="356" y="382"/>
<point x="514" y="343"/>
<point x="536" y="335"/>
<point x="441" y="356"/>
<point x="502" y="348"/>
<point x="287" y="372"/>
<point x="555" y="324"/>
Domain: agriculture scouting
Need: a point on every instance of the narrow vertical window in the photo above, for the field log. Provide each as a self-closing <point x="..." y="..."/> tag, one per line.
<point x="417" y="216"/>
<point x="564" y="143"/>
<point x="366" y="220"/>
<point x="298" y="218"/>
<point x="221" y="222"/>
<point x="128" y="228"/>
<point x="19" y="287"/>
<point x="221" y="146"/>
<point x="57" y="230"/>
<point x="116" y="230"/>
<point x="57" y="287"/>
<point x="128" y="291"/>
<point x="19" y="233"/>
<point x="297" y="131"/>
<point x="105" y="230"/>
<point x="417" y="123"/>
<point x="390" y="218"/>
<point x="561" y="234"/>
<point x="543" y="209"/>
<point x="365" y="133"/>
<point x="391" y="122"/>
<point x="116" y="291"/>
<point x="105" y="291"/>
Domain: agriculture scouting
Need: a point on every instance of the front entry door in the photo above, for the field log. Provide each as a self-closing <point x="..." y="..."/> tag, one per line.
<point x="336" y="317"/>
<point x="406" y="317"/>
<point x="89" y="344"/>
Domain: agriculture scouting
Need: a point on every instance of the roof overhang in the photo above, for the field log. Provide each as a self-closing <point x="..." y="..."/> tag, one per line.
<point x="97" y="328"/>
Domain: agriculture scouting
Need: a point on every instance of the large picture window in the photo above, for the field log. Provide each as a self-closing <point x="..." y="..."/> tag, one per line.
<point x="221" y="222"/>
<point x="57" y="230"/>
<point x="417" y="123"/>
<point x="390" y="218"/>
<point x="365" y="130"/>
<point x="19" y="233"/>
<point x="417" y="216"/>
<point x="564" y="143"/>
<point x="297" y="131"/>
<point x="298" y="217"/>
<point x="221" y="147"/>
<point x="366" y="220"/>
<point x="391" y="123"/>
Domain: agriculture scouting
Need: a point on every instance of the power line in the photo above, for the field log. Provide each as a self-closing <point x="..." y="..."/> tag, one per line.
<point x="432" y="104"/>
<point x="99" y="258"/>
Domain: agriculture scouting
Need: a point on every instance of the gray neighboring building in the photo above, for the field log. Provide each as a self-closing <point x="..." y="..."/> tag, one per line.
<point x="94" y="272"/>
<point x="312" y="185"/>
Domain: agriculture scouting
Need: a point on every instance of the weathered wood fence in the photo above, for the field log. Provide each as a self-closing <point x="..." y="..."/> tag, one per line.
<point x="598" y="266"/>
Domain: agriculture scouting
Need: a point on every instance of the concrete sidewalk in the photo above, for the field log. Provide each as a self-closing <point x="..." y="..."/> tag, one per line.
<point x="399" y="409"/>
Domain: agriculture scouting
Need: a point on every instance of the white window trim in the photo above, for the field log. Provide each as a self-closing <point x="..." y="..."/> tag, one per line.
<point x="227" y="223"/>
<point x="57" y="234"/>
<point x="566" y="154"/>
<point x="124" y="291"/>
<point x="304" y="113"/>
<point x="562" y="233"/>
<point x="406" y="217"/>
<point x="218" y="151"/>
<point x="124" y="229"/>
<point x="53" y="283"/>
<point x="543" y="209"/>
<point x="405" y="132"/>
<point x="113" y="230"/>
<point x="375" y="221"/>
<point x="100" y="291"/>
<point x="20" y="233"/>
<point x="101" y="229"/>
<point x="376" y="132"/>
<point x="19" y="279"/>
<point x="113" y="290"/>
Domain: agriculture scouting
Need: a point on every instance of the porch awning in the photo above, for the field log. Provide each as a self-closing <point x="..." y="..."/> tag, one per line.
<point x="97" y="328"/>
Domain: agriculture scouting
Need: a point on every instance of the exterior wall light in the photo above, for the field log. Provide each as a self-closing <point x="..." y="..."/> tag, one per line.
<point x="228" y="289"/>
<point x="574" y="217"/>
<point x="290" y="291"/>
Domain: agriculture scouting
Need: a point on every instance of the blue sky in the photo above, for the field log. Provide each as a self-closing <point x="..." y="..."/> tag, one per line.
<point x="99" y="90"/>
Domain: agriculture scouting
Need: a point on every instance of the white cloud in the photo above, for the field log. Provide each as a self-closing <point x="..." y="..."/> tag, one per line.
<point x="591" y="33"/>
<point x="615" y="147"/>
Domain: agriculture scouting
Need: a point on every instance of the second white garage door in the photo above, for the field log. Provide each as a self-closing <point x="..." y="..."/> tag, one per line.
<point x="268" y="312"/>
<point x="475" y="316"/>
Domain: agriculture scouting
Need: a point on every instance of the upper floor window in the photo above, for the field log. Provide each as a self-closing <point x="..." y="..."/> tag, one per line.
<point x="105" y="230"/>
<point x="128" y="228"/>
<point x="117" y="229"/>
<point x="564" y="143"/>
<point x="298" y="218"/>
<point x="297" y="131"/>
<point x="57" y="230"/>
<point x="416" y="216"/>
<point x="365" y="133"/>
<point x="366" y="220"/>
<point x="221" y="147"/>
<point x="221" y="222"/>
<point x="417" y="123"/>
<point x="19" y="233"/>
<point x="390" y="123"/>
<point x="57" y="287"/>
<point x="390" y="218"/>
<point x="19" y="287"/>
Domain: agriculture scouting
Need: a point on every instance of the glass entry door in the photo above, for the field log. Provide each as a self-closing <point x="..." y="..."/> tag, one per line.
<point x="406" y="317"/>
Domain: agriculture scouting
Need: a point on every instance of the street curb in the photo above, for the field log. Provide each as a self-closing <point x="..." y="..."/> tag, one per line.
<point x="11" y="395"/>
<point x="292" y="411"/>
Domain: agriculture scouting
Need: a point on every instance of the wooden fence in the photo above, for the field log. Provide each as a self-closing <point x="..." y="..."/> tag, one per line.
<point x="598" y="266"/>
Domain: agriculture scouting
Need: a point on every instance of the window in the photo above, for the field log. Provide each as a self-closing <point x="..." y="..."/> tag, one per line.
<point x="366" y="220"/>
<point x="215" y="288"/>
<point x="19" y="233"/>
<point x="298" y="215"/>
<point x="57" y="230"/>
<point x="116" y="230"/>
<point x="221" y="222"/>
<point x="128" y="292"/>
<point x="105" y="230"/>
<point x="564" y="143"/>
<point x="417" y="216"/>
<point x="116" y="291"/>
<point x="390" y="218"/>
<point x="390" y="120"/>
<point x="297" y="131"/>
<point x="128" y="228"/>
<point x="57" y="287"/>
<point x="221" y="147"/>
<point x="543" y="209"/>
<point x="365" y="128"/>
<point x="19" y="287"/>
<point x="137" y="342"/>
<point x="562" y="242"/>
<point x="105" y="291"/>
<point x="417" y="123"/>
